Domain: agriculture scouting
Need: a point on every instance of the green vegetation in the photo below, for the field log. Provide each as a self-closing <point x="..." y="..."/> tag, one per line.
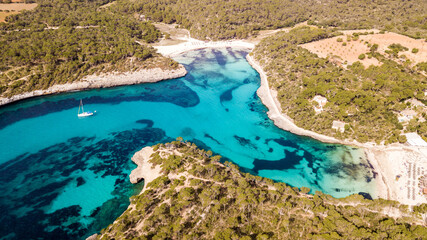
<point x="62" y="41"/>
<point x="374" y="48"/>
<point x="414" y="50"/>
<point x="395" y="48"/>
<point x="243" y="18"/>
<point x="416" y="126"/>
<point x="200" y="198"/>
<point x="366" y="99"/>
<point x="362" y="56"/>
<point x="422" y="66"/>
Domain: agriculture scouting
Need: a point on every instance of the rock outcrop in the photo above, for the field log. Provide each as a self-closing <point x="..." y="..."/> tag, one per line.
<point x="145" y="170"/>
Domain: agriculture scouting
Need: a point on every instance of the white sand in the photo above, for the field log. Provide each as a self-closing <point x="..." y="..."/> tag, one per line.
<point x="193" y="44"/>
<point x="408" y="162"/>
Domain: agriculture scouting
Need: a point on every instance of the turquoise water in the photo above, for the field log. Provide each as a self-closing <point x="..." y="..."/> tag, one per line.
<point x="66" y="178"/>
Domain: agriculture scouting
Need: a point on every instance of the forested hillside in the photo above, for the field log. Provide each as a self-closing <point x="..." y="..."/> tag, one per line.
<point x="365" y="99"/>
<point x="225" y="19"/>
<point x="62" y="41"/>
<point x="200" y="198"/>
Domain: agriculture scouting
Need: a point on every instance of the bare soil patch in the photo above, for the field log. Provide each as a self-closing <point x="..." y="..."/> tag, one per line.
<point x="386" y="39"/>
<point x="17" y="6"/>
<point x="7" y="9"/>
<point x="346" y="49"/>
<point x="3" y="15"/>
<point x="172" y="34"/>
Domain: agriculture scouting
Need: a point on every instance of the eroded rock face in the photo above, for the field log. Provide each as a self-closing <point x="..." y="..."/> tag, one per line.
<point x="92" y="237"/>
<point x="136" y="176"/>
<point x="105" y="81"/>
<point x="145" y="170"/>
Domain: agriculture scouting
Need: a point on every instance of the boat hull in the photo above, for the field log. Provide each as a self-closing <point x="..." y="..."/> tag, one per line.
<point x="85" y="114"/>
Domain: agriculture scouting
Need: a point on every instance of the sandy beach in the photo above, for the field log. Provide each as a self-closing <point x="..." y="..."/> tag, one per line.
<point x="104" y="81"/>
<point x="399" y="170"/>
<point x="190" y="44"/>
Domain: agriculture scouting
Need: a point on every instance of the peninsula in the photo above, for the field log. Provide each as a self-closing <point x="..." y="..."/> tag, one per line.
<point x="191" y="194"/>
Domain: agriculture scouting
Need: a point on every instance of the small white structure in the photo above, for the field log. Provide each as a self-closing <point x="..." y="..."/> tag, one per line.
<point x="321" y="101"/>
<point x="338" y="125"/>
<point x="414" y="102"/>
<point x="142" y="18"/>
<point x="406" y="115"/>
<point x="414" y="139"/>
<point x="403" y="119"/>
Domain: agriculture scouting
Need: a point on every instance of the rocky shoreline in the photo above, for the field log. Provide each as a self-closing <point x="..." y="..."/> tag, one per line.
<point x="104" y="81"/>
<point x="145" y="170"/>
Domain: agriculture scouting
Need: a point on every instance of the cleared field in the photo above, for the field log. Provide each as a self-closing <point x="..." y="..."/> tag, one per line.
<point x="385" y="40"/>
<point x="266" y="33"/>
<point x="349" y="49"/>
<point x="14" y="8"/>
<point x="17" y="6"/>
<point x="3" y="15"/>
<point x="176" y="35"/>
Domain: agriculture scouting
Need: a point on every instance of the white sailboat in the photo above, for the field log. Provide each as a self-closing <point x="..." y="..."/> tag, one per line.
<point x="83" y="114"/>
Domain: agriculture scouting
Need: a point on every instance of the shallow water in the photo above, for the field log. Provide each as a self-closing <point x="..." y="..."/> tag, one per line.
<point x="65" y="178"/>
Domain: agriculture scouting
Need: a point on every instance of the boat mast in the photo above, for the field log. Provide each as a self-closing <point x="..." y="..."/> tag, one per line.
<point x="81" y="105"/>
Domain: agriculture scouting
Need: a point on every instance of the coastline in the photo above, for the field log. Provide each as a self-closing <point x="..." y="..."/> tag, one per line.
<point x="105" y="80"/>
<point x="183" y="193"/>
<point x="387" y="161"/>
<point x="380" y="157"/>
<point x="268" y="98"/>
<point x="114" y="79"/>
